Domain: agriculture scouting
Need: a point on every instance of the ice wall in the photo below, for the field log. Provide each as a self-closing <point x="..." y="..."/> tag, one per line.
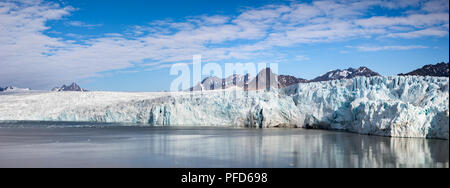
<point x="388" y="106"/>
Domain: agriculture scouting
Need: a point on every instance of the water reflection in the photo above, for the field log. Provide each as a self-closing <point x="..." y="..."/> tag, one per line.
<point x="305" y="148"/>
<point x="212" y="147"/>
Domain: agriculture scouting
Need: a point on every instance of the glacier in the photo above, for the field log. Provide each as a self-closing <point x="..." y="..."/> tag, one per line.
<point x="397" y="106"/>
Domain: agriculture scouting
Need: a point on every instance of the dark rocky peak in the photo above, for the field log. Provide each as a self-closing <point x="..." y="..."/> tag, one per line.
<point x="439" y="70"/>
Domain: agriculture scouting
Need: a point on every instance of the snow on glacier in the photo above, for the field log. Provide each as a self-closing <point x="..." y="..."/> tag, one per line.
<point x="410" y="106"/>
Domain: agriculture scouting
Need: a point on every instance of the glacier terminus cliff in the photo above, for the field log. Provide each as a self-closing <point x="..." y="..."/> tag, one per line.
<point x="398" y="106"/>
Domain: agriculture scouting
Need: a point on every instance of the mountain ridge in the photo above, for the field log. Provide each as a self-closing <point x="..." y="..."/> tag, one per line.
<point x="260" y="81"/>
<point x="440" y="70"/>
<point x="71" y="87"/>
<point x="13" y="89"/>
<point x="281" y="81"/>
<point x="345" y="74"/>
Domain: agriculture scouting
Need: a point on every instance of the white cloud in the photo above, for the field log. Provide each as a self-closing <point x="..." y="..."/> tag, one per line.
<point x="302" y="58"/>
<point x="82" y="24"/>
<point x="415" y="20"/>
<point x="395" y="4"/>
<point x="436" y="6"/>
<point x="435" y="32"/>
<point x="381" y="48"/>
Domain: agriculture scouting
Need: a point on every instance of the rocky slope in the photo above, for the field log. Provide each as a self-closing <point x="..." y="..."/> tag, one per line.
<point x="440" y="70"/>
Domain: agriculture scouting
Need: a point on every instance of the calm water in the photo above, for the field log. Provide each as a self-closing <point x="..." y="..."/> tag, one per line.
<point x="40" y="144"/>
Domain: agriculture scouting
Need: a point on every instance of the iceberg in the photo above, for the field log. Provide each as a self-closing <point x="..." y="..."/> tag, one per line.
<point x="398" y="106"/>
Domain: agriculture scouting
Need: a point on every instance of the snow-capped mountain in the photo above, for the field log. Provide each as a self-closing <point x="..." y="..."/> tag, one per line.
<point x="345" y="74"/>
<point x="215" y="83"/>
<point x="287" y="80"/>
<point x="247" y="82"/>
<point x="14" y="89"/>
<point x="71" y="87"/>
<point x="440" y="69"/>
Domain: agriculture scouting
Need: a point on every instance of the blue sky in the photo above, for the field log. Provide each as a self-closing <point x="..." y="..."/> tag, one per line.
<point x="130" y="45"/>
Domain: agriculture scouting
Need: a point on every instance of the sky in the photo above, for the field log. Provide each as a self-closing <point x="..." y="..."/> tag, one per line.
<point x="116" y="45"/>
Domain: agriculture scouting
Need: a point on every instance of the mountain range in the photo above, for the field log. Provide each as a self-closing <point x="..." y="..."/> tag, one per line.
<point x="267" y="79"/>
<point x="262" y="81"/>
<point x="248" y="82"/>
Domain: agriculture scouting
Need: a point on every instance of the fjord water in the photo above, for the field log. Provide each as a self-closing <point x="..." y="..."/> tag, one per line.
<point x="59" y="144"/>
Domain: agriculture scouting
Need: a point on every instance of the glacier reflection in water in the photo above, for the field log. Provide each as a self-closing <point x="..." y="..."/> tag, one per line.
<point x="124" y="146"/>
